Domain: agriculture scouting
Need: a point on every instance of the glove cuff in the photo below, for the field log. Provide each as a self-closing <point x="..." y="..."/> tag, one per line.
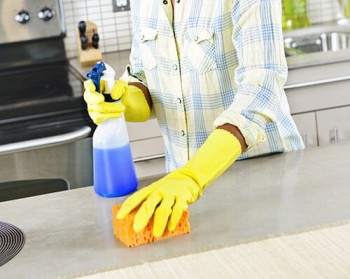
<point x="218" y="152"/>
<point x="136" y="105"/>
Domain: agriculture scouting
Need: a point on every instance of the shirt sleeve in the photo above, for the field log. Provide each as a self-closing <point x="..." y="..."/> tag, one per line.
<point x="262" y="71"/>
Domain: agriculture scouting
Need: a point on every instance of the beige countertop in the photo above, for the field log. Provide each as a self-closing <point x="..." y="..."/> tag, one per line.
<point x="71" y="232"/>
<point x="117" y="60"/>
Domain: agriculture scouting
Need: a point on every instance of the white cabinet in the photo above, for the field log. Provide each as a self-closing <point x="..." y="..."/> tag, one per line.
<point x="319" y="100"/>
<point x="150" y="167"/>
<point x="333" y="125"/>
<point x="306" y="124"/>
<point x="324" y="127"/>
<point x="147" y="148"/>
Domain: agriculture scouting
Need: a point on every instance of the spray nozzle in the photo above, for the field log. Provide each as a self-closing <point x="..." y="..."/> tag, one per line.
<point x="102" y="71"/>
<point x="96" y="73"/>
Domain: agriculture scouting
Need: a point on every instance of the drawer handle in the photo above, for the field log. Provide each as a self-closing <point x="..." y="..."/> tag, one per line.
<point x="45" y="142"/>
<point x="147" y="158"/>
<point x="335" y="135"/>
<point x="304" y="136"/>
<point x="316" y="82"/>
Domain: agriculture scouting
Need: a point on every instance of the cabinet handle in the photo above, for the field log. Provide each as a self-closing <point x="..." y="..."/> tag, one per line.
<point x="335" y="135"/>
<point x="304" y="136"/>
<point x="316" y="82"/>
<point x="147" y="158"/>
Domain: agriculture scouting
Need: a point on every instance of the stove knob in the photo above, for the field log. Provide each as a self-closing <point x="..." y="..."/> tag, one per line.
<point x="46" y="14"/>
<point x="22" y="17"/>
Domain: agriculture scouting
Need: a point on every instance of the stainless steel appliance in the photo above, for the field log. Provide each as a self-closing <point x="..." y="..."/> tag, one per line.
<point x="44" y="127"/>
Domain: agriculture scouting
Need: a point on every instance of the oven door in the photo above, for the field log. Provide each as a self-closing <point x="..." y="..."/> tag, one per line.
<point x="45" y="131"/>
<point x="68" y="159"/>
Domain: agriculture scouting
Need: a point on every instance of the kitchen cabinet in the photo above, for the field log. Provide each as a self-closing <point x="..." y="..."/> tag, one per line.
<point x="319" y="100"/>
<point x="147" y="148"/>
<point x="306" y="124"/>
<point x="333" y="125"/>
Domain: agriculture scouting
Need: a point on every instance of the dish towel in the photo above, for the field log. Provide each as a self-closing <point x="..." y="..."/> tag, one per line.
<point x="323" y="252"/>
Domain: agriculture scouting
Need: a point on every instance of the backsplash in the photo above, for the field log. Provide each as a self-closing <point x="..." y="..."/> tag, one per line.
<point x="115" y="28"/>
<point x="322" y="10"/>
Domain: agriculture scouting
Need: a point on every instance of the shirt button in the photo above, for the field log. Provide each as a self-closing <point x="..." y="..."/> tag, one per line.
<point x="165" y="2"/>
<point x="182" y="132"/>
<point x="179" y="100"/>
<point x="196" y="39"/>
<point x="175" y="67"/>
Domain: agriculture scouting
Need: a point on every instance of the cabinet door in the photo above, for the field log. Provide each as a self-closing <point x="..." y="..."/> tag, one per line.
<point x="333" y="125"/>
<point x="143" y="130"/>
<point x="306" y="124"/>
<point x="149" y="168"/>
<point x="147" y="148"/>
<point x="318" y="96"/>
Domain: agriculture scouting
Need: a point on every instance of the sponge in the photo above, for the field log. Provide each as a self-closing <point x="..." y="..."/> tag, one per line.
<point x="123" y="229"/>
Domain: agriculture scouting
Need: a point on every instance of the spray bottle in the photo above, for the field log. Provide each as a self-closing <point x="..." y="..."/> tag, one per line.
<point x="114" y="170"/>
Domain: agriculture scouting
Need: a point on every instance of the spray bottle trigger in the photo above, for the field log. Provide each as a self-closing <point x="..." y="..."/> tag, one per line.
<point x="96" y="73"/>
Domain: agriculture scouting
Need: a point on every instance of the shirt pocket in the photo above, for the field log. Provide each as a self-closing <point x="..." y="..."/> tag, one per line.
<point x="148" y="38"/>
<point x="201" y="49"/>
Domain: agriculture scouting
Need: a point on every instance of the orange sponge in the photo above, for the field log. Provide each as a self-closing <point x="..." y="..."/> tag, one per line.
<point x="123" y="229"/>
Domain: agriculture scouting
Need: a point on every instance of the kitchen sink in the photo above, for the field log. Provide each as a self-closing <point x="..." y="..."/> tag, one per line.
<point x="316" y="42"/>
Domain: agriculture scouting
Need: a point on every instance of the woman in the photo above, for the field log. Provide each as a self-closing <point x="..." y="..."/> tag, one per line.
<point x="213" y="73"/>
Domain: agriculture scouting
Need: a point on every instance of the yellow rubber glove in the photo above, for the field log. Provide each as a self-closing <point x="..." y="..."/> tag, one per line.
<point x="170" y="196"/>
<point x="133" y="102"/>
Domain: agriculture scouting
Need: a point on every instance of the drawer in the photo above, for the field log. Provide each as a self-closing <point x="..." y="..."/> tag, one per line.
<point x="306" y="124"/>
<point x="318" y="96"/>
<point x="143" y="130"/>
<point x="150" y="168"/>
<point x="333" y="125"/>
<point x="142" y="149"/>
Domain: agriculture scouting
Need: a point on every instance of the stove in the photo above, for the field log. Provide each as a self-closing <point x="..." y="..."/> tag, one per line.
<point x="40" y="101"/>
<point x="41" y="104"/>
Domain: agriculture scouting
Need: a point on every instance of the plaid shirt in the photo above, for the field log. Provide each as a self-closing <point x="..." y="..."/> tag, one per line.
<point x="215" y="62"/>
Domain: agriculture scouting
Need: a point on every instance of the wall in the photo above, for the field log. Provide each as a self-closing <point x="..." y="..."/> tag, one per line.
<point x="322" y="10"/>
<point x="115" y="28"/>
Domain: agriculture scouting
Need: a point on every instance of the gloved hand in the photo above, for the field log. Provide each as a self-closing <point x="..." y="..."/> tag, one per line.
<point x="98" y="109"/>
<point x="170" y="196"/>
<point x="133" y="102"/>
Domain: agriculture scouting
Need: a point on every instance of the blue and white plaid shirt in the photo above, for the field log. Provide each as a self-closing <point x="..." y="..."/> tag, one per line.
<point x="214" y="62"/>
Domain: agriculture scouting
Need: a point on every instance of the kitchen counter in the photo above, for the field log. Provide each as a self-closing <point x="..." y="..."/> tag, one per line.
<point x="71" y="232"/>
<point x="117" y="60"/>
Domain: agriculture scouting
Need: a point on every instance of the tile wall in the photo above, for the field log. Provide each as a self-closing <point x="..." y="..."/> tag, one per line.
<point x="115" y="28"/>
<point x="322" y="10"/>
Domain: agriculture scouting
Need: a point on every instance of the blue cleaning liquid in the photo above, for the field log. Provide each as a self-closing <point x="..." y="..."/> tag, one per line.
<point x="114" y="171"/>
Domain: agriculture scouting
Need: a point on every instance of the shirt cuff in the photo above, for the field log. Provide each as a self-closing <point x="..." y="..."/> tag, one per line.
<point x="252" y="132"/>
